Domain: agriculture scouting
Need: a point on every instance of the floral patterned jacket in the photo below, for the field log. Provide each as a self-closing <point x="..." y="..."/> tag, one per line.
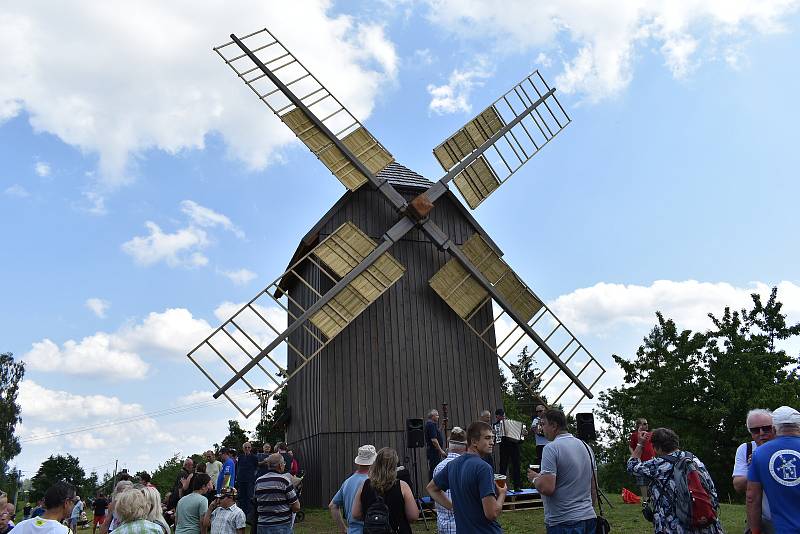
<point x="662" y="494"/>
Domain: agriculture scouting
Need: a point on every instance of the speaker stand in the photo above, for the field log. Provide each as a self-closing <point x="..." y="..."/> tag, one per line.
<point x="415" y="489"/>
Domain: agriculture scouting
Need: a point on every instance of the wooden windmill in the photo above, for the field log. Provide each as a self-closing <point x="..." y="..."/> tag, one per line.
<point x="396" y="300"/>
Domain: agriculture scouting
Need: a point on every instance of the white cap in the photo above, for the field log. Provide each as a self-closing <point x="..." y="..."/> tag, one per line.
<point x="785" y="415"/>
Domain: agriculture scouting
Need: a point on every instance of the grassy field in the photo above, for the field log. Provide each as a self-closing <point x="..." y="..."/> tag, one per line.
<point x="624" y="519"/>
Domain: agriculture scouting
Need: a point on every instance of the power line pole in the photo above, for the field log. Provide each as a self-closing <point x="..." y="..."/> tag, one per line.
<point x="114" y="485"/>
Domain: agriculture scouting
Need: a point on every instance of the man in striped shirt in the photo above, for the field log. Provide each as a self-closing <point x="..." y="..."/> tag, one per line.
<point x="276" y="498"/>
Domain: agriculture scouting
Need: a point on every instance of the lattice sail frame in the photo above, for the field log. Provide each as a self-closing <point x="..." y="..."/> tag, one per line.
<point x="513" y="149"/>
<point x="466" y="297"/>
<point x="321" y="102"/>
<point x="243" y="336"/>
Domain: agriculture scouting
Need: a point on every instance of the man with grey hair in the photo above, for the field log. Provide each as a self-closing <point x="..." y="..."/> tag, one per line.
<point x="434" y="441"/>
<point x="759" y="424"/>
<point x="276" y="498"/>
<point x="567" y="482"/>
<point x="775" y="471"/>
<point x="446" y="519"/>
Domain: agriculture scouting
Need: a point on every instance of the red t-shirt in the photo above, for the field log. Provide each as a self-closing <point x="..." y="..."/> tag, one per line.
<point x="647" y="449"/>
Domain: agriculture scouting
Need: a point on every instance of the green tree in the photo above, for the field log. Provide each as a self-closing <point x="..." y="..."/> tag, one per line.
<point x="166" y="474"/>
<point x="701" y="385"/>
<point x="57" y="468"/>
<point x="91" y="485"/>
<point x="236" y="436"/>
<point x="271" y="429"/>
<point x="519" y="402"/>
<point x="525" y="374"/>
<point x="11" y="373"/>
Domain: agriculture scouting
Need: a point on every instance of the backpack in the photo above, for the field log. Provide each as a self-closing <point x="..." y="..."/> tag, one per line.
<point x="376" y="519"/>
<point x="693" y="505"/>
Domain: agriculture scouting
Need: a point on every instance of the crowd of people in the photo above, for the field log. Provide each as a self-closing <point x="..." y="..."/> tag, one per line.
<point x="766" y="468"/>
<point x="221" y="496"/>
<point x="679" y="495"/>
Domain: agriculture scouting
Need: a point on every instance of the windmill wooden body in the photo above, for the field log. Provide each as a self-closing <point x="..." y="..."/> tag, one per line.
<point x="397" y="300"/>
<point x="401" y="357"/>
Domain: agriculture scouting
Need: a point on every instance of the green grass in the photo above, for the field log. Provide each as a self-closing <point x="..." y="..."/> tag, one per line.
<point x="624" y="519"/>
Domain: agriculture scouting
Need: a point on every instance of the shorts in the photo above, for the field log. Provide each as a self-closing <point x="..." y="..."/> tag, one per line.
<point x="641" y="480"/>
<point x="585" y="526"/>
<point x="73" y="522"/>
<point x="98" y="519"/>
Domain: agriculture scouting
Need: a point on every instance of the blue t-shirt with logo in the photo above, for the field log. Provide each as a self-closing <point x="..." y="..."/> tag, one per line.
<point x="344" y="499"/>
<point x="228" y="468"/>
<point x="469" y="480"/>
<point x="776" y="466"/>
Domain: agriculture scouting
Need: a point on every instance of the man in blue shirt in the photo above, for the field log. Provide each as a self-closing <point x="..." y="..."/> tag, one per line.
<point x="227" y="475"/>
<point x="775" y="469"/>
<point x="477" y="501"/>
<point x="343" y="500"/>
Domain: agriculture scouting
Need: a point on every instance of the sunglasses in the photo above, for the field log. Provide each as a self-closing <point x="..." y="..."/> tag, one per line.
<point x="758" y="429"/>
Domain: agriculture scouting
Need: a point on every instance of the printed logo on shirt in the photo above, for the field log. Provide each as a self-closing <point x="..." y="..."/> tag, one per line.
<point x="784" y="466"/>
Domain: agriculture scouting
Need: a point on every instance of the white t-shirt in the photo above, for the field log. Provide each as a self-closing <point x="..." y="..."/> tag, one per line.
<point x="40" y="525"/>
<point x="740" y="470"/>
<point x="213" y="469"/>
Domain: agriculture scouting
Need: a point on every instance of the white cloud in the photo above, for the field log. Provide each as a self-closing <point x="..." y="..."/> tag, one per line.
<point x="240" y="276"/>
<point x="96" y="203"/>
<point x="42" y="169"/>
<point x="17" y="191"/>
<point x="47" y="405"/>
<point x="453" y="96"/>
<point x="94" y="355"/>
<point x="543" y="60"/>
<point x="49" y="409"/>
<point x="61" y="64"/>
<point x="208" y="218"/>
<point x="98" y="306"/>
<point x="181" y="248"/>
<point x="604" y="307"/>
<point x="171" y="333"/>
<point x="194" y="397"/>
<point x="607" y="36"/>
<point x="118" y="355"/>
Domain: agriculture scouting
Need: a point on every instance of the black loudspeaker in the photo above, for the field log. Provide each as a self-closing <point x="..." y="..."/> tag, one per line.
<point x="415" y="434"/>
<point x="585" y="424"/>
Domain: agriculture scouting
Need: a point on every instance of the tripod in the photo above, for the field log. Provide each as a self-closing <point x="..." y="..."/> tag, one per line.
<point x="600" y="494"/>
<point x="415" y="484"/>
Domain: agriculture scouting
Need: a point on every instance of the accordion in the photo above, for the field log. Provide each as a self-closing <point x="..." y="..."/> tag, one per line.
<point x="512" y="430"/>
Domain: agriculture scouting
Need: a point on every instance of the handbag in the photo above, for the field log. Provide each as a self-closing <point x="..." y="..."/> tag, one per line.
<point x="602" y="526"/>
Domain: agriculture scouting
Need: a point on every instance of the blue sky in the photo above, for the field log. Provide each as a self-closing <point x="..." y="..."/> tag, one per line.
<point x="142" y="186"/>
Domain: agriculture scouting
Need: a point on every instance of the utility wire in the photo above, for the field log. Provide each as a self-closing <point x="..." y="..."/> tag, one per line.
<point x="149" y="415"/>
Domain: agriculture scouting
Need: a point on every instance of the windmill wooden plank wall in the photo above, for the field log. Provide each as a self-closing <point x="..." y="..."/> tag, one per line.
<point x="407" y="353"/>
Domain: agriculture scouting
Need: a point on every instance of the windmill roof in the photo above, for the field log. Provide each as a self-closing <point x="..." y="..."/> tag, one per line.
<point x="402" y="176"/>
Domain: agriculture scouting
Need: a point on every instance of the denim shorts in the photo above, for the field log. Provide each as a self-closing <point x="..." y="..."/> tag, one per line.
<point x="586" y="526"/>
<point x="275" y="529"/>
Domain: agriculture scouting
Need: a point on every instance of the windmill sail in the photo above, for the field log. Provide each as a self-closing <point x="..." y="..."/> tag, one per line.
<point x="257" y="333"/>
<point x="518" y="124"/>
<point x="462" y="292"/>
<point x="300" y="100"/>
